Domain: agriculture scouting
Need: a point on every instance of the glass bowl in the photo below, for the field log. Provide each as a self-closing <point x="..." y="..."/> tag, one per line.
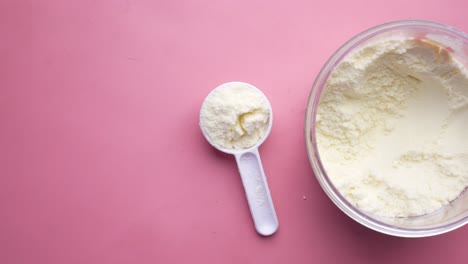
<point x="450" y="217"/>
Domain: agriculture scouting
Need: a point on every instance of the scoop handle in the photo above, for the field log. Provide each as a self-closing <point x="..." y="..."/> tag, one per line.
<point x="257" y="192"/>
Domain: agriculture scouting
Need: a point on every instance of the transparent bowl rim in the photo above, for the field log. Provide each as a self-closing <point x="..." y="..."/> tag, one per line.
<point x="311" y="143"/>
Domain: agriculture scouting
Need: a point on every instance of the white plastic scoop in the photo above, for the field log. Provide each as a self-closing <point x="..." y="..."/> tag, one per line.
<point x="253" y="177"/>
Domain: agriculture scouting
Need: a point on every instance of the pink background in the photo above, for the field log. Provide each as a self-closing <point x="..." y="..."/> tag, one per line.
<point x="101" y="156"/>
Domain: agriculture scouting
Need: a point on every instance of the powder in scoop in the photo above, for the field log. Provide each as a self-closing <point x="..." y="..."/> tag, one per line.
<point x="235" y="116"/>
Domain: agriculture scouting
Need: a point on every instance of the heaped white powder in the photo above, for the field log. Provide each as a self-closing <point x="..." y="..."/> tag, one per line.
<point x="235" y="116"/>
<point x="392" y="128"/>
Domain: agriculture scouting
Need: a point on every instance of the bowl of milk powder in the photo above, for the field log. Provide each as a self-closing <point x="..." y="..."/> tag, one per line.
<point x="387" y="127"/>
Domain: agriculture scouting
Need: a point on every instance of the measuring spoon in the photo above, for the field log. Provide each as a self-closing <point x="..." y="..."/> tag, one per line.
<point x="252" y="175"/>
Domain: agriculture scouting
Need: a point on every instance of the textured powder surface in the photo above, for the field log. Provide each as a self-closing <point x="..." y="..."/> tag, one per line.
<point x="391" y="128"/>
<point x="235" y="116"/>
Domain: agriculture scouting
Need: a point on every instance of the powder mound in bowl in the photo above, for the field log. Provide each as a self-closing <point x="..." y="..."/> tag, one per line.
<point x="235" y="116"/>
<point x="391" y="127"/>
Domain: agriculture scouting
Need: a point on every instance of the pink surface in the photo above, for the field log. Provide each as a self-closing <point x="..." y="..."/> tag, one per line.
<point x="101" y="157"/>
